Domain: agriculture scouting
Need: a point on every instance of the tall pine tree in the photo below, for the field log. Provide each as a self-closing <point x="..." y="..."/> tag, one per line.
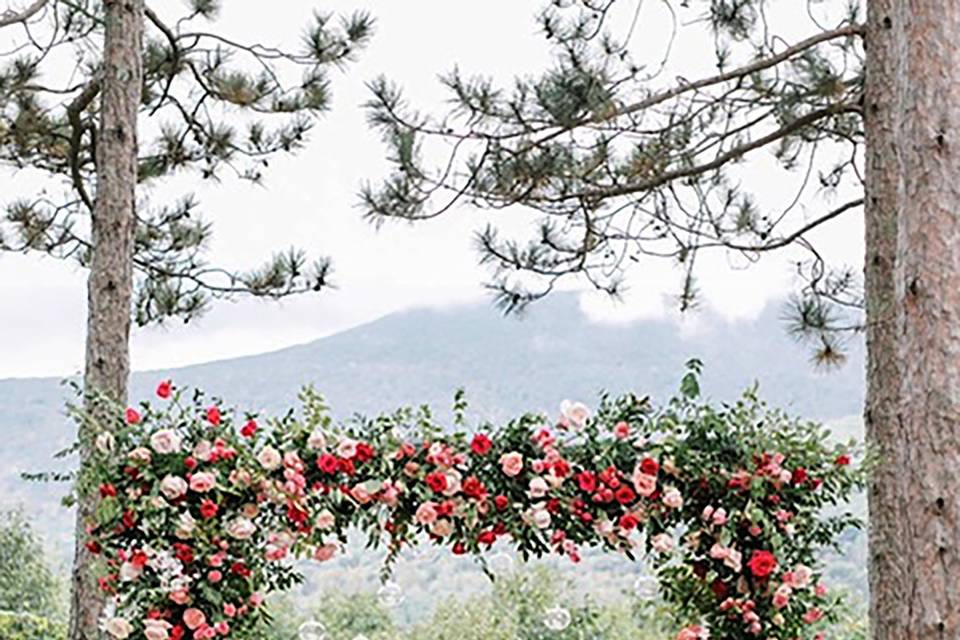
<point x="150" y="90"/>
<point x="621" y="164"/>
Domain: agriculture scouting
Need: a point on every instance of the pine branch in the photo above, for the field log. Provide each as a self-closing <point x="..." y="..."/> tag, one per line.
<point x="734" y="74"/>
<point x="718" y="162"/>
<point x="11" y="16"/>
<point x="74" y="111"/>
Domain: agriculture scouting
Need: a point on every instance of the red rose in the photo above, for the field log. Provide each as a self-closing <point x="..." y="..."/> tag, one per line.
<point x="587" y="481"/>
<point x="501" y="502"/>
<point x="240" y="569"/>
<point x="177" y="633"/>
<point x="208" y="508"/>
<point x="487" y="537"/>
<point x="107" y="490"/>
<point x="364" y="452"/>
<point x="649" y="466"/>
<point x="473" y="488"/>
<point x="762" y="563"/>
<point x="327" y="463"/>
<point x="610" y="477"/>
<point x="183" y="552"/>
<point x="93" y="547"/>
<point x="625" y="495"/>
<point x="719" y="589"/>
<point x="139" y="559"/>
<point x="561" y="468"/>
<point x="213" y="416"/>
<point x="132" y="416"/>
<point x="481" y="444"/>
<point x="437" y="481"/>
<point x="842" y="460"/>
<point x="459" y="549"/>
<point x="164" y="389"/>
<point x="799" y="475"/>
<point x="249" y="430"/>
<point x="129" y="519"/>
<point x="347" y="467"/>
<point x="628" y="521"/>
<point x="445" y="508"/>
<point x="190" y="462"/>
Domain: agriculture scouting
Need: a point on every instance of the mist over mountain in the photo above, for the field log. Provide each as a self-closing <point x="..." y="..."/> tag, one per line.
<point x="507" y="366"/>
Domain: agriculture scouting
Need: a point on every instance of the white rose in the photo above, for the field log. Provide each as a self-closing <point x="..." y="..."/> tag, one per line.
<point x="118" y="628"/>
<point x="347" y="448"/>
<point x="317" y="440"/>
<point x="241" y="529"/>
<point x="574" y="415"/>
<point x="325" y="520"/>
<point x="541" y="518"/>
<point x="672" y="498"/>
<point x="173" y="487"/>
<point x="140" y="454"/>
<point x="165" y="441"/>
<point x="538" y="487"/>
<point x="156" y="629"/>
<point x="185" y="525"/>
<point x="130" y="572"/>
<point x="105" y="442"/>
<point x="662" y="543"/>
<point x="269" y="458"/>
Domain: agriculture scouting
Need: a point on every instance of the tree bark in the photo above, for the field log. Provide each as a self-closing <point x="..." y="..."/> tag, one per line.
<point x="110" y="284"/>
<point x="927" y="277"/>
<point x="889" y="575"/>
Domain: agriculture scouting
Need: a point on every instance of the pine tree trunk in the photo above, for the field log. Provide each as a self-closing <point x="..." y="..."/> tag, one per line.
<point x="927" y="277"/>
<point x="110" y="283"/>
<point x="889" y="575"/>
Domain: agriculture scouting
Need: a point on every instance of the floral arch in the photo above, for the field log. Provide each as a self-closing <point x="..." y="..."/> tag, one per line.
<point x="200" y="506"/>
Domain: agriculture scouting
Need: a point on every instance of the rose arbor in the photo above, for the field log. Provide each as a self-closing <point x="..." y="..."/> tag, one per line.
<point x="200" y="507"/>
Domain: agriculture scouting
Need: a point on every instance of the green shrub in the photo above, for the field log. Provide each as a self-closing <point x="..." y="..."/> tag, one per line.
<point x="25" y="626"/>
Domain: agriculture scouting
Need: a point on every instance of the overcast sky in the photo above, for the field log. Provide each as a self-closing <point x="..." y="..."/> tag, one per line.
<point x="310" y="201"/>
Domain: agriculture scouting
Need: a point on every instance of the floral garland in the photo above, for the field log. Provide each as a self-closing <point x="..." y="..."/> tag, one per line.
<point x="201" y="508"/>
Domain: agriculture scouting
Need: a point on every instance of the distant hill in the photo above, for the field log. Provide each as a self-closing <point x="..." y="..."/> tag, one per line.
<point x="422" y="356"/>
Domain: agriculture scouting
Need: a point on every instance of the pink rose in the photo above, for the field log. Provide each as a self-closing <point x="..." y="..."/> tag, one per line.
<point x="812" y="615"/>
<point x="781" y="597"/>
<point x="180" y="596"/>
<point x="325" y="552"/>
<point x="800" y="577"/>
<point x="325" y="520"/>
<point x="720" y="517"/>
<point x="538" y="487"/>
<point x="241" y="529"/>
<point x="269" y="458"/>
<point x="426" y="513"/>
<point x="511" y="463"/>
<point x="441" y="528"/>
<point x="194" y="618"/>
<point x="202" y="482"/>
<point x="140" y="454"/>
<point x="165" y="441"/>
<point x="119" y="628"/>
<point x="173" y="487"/>
<point x="662" y="543"/>
<point x="644" y="483"/>
<point x="156" y="629"/>
<point x="672" y="498"/>
<point x="693" y="632"/>
<point x="347" y="448"/>
<point x="574" y="415"/>
<point x="621" y="430"/>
